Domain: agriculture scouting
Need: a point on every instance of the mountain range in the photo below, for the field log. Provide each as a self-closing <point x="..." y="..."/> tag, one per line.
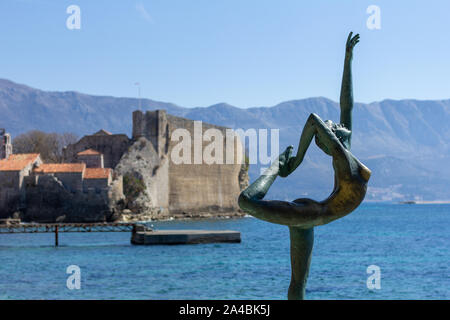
<point x="406" y="143"/>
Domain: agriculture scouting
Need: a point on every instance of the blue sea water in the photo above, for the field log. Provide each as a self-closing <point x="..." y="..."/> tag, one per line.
<point x="409" y="243"/>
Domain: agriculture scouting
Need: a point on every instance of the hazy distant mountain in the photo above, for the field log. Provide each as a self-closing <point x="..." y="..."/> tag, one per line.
<point x="406" y="143"/>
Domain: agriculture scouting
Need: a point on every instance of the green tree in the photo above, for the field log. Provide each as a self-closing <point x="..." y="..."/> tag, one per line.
<point x="132" y="186"/>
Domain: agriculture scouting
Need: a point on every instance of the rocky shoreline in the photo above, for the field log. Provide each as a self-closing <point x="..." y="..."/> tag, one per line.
<point x="133" y="217"/>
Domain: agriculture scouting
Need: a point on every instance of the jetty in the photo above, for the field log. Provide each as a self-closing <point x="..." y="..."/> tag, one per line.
<point x="140" y="233"/>
<point x="184" y="236"/>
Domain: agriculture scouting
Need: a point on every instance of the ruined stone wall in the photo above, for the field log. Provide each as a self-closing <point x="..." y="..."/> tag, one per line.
<point x="111" y="146"/>
<point x="159" y="187"/>
<point x="203" y="187"/>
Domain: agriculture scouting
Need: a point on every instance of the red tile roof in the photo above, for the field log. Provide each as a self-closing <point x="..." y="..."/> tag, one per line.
<point x="23" y="156"/>
<point x="97" y="173"/>
<point x="88" y="152"/>
<point x="60" y="168"/>
<point x="102" y="132"/>
<point x="18" y="162"/>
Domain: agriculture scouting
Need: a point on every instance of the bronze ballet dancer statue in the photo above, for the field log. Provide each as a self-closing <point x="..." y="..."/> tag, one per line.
<point x="302" y="215"/>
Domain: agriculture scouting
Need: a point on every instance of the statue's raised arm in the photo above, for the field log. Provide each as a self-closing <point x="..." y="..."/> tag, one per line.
<point x="347" y="86"/>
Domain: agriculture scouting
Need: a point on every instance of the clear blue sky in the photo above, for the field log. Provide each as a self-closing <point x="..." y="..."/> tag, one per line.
<point x="243" y="52"/>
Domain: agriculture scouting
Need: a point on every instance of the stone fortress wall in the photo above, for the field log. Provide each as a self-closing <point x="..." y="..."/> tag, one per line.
<point x="203" y="187"/>
<point x="189" y="188"/>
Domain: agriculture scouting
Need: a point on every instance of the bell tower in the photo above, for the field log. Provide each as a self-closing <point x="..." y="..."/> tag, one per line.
<point x="5" y="144"/>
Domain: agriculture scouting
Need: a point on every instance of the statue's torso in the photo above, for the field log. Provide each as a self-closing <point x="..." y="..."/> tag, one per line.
<point x="351" y="178"/>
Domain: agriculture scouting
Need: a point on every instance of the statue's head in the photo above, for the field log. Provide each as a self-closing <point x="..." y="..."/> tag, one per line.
<point x="342" y="133"/>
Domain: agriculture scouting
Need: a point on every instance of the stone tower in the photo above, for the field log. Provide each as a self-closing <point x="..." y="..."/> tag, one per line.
<point x="5" y="144"/>
<point x="152" y="125"/>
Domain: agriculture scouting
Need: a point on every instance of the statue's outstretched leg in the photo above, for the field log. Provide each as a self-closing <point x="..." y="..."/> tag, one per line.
<point x="302" y="241"/>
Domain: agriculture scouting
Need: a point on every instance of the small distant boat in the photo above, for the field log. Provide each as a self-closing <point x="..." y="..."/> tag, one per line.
<point x="408" y="202"/>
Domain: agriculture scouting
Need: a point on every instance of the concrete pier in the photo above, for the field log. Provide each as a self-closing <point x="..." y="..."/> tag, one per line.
<point x="184" y="237"/>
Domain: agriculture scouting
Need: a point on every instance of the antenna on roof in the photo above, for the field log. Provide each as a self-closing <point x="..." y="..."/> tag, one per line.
<point x="139" y="94"/>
